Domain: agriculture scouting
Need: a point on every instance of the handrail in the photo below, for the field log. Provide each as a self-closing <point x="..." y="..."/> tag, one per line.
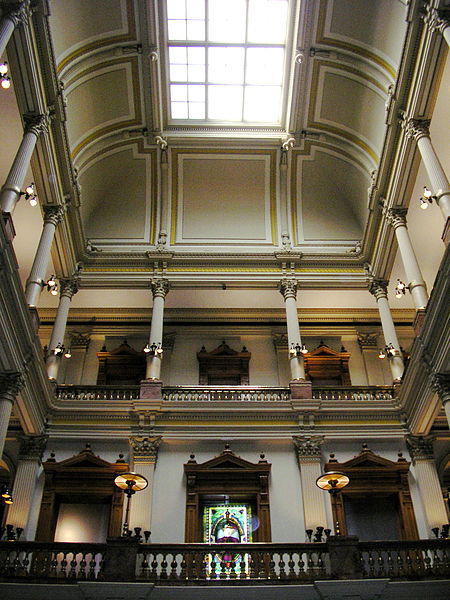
<point x="97" y="392"/>
<point x="227" y="393"/>
<point x="355" y="393"/>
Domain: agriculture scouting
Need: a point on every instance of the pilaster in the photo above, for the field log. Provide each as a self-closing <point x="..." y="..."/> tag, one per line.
<point x="144" y="456"/>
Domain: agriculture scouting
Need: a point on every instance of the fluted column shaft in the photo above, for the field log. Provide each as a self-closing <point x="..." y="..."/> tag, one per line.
<point x="10" y="21"/>
<point x="145" y="452"/>
<point x="379" y="289"/>
<point x="30" y="455"/>
<point x="10" y="385"/>
<point x="418" y="129"/>
<point x="308" y="453"/>
<point x="69" y="287"/>
<point x="441" y="384"/>
<point x="421" y="451"/>
<point x="35" y="282"/>
<point x="160" y="288"/>
<point x="10" y="192"/>
<point x="288" y="289"/>
<point x="416" y="283"/>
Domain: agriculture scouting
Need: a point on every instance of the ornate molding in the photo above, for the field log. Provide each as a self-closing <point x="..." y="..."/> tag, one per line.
<point x="378" y="288"/>
<point x="417" y="128"/>
<point x="36" y="124"/>
<point x="440" y="383"/>
<point x="280" y="340"/>
<point x="32" y="447"/>
<point x="308" y="446"/>
<point x="11" y="384"/>
<point x="436" y="19"/>
<point x="288" y="288"/>
<point x="18" y="13"/>
<point x="160" y="287"/>
<point x="368" y="340"/>
<point x="79" y="340"/>
<point x="53" y="214"/>
<point x="145" y="448"/>
<point x="396" y="216"/>
<point x="69" y="286"/>
<point x="420" y="448"/>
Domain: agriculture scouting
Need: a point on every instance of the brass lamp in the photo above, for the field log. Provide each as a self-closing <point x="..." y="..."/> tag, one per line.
<point x="130" y="483"/>
<point x="333" y="482"/>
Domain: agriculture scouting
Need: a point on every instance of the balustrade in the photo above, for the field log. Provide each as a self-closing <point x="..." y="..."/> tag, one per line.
<point x="97" y="392"/>
<point x="355" y="393"/>
<point x="225" y="394"/>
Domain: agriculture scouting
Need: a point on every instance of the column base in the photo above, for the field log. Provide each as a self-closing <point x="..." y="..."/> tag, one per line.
<point x="446" y="233"/>
<point x="397" y="385"/>
<point x="34" y="318"/>
<point x="151" y="389"/>
<point x="9" y="226"/>
<point x="300" y="389"/>
<point x="418" y="321"/>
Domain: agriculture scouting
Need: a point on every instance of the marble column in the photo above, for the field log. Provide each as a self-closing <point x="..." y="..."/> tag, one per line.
<point x="18" y="14"/>
<point x="418" y="130"/>
<point x="11" y="189"/>
<point x="309" y="462"/>
<point x="416" y="284"/>
<point x="160" y="288"/>
<point x="441" y="385"/>
<point x="10" y="386"/>
<point x="288" y="289"/>
<point x="144" y="456"/>
<point x="68" y="287"/>
<point x="30" y="456"/>
<point x="52" y="216"/>
<point x="378" y="288"/>
<point x="421" y="451"/>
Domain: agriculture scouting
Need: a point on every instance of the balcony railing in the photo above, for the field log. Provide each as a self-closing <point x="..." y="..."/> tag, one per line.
<point x="357" y="393"/>
<point x="97" y="392"/>
<point x="226" y="394"/>
<point x="165" y="564"/>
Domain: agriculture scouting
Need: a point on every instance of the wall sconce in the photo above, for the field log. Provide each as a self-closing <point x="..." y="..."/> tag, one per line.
<point x="154" y="349"/>
<point x="400" y="289"/>
<point x="427" y="198"/>
<point x="388" y="351"/>
<point x="6" y="495"/>
<point x="60" y="351"/>
<point x="130" y="483"/>
<point x="297" y="350"/>
<point x="51" y="285"/>
<point x="30" y="194"/>
<point x="333" y="482"/>
<point x="5" y="80"/>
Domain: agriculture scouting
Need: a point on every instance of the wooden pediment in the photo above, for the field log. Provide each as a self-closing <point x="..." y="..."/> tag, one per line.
<point x="122" y="366"/>
<point x="83" y="461"/>
<point x="325" y="366"/>
<point x="226" y="462"/>
<point x="223" y="366"/>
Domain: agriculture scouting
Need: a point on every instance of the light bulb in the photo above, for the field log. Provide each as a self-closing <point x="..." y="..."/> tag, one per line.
<point x="398" y="294"/>
<point x="400" y="284"/>
<point x="427" y="193"/>
<point x="67" y="353"/>
<point x="3" y="68"/>
<point x="147" y="349"/>
<point x="33" y="201"/>
<point x="6" y="83"/>
<point x="54" y="290"/>
<point x="382" y="354"/>
<point x="51" y="282"/>
<point x="30" y="189"/>
<point x="304" y="349"/>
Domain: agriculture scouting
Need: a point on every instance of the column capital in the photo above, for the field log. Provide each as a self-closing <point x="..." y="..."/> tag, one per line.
<point x="145" y="448"/>
<point x="53" y="214"/>
<point x="19" y="13"/>
<point x="32" y="447"/>
<point x="308" y="446"/>
<point x="160" y="287"/>
<point x="396" y="216"/>
<point x="440" y="383"/>
<point x="69" y="286"/>
<point x="367" y="340"/>
<point x="36" y="124"/>
<point x="288" y="288"/>
<point x="79" y="340"/>
<point x="436" y="19"/>
<point x="11" y="384"/>
<point x="420" y="447"/>
<point x="378" y="288"/>
<point x="417" y="128"/>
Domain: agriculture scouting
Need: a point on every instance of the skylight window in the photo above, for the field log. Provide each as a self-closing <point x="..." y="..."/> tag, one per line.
<point x="226" y="60"/>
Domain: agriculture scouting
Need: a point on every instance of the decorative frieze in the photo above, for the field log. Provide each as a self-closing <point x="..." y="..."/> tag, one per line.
<point x="79" y="340"/>
<point x="145" y="448"/>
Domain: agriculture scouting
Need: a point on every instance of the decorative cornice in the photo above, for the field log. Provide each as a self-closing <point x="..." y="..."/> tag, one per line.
<point x="420" y="448"/>
<point x="145" y="448"/>
<point x="308" y="446"/>
<point x="368" y="340"/>
<point x="378" y="288"/>
<point x="10" y="385"/>
<point x="160" y="287"/>
<point x="288" y="288"/>
<point x="32" y="447"/>
<point x="53" y="214"/>
<point x="440" y="384"/>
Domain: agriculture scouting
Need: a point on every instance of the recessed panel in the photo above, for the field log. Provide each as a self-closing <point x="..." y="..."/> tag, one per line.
<point x="114" y="206"/>
<point x="223" y="198"/>
<point x="331" y="198"/>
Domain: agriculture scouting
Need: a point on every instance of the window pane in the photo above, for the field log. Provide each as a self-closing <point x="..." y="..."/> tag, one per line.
<point x="196" y="73"/>
<point x="226" y="65"/>
<point x="178" y="72"/>
<point x="179" y="110"/>
<point x="226" y="20"/>
<point x="225" y="102"/>
<point x="177" y="30"/>
<point x="196" y="110"/>
<point x="176" y="9"/>
<point x="195" y="9"/>
<point x="264" y="66"/>
<point x="196" y="56"/>
<point x="262" y="104"/>
<point x="267" y="21"/>
<point x="195" y="30"/>
<point x="196" y="93"/>
<point x="178" y="92"/>
<point x="177" y="55"/>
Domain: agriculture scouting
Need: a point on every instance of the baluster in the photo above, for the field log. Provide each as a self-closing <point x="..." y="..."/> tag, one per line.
<point x="183" y="567"/>
<point x="436" y="563"/>
<point x="419" y="568"/>
<point x="6" y="564"/>
<point x="233" y="569"/>
<point x="400" y="565"/>
<point x="282" y="566"/>
<point x="163" y="573"/>
<point x="145" y="567"/>
<point x="272" y="573"/>
<point x="174" y="567"/>
<point x="82" y="569"/>
<point x="310" y="565"/>
<point x="92" y="565"/>
<point x="16" y="564"/>
<point x="255" y="564"/>
<point x="73" y="564"/>
<point x="320" y="564"/>
<point x="445" y="562"/>
<point x="63" y="567"/>
<point x="291" y="566"/>
<point x="409" y="567"/>
<point x="371" y="564"/>
<point x="301" y="566"/>
<point x="154" y="573"/>
<point x="25" y="563"/>
<point x="223" y="568"/>
<point x="390" y="564"/>
<point x="427" y="561"/>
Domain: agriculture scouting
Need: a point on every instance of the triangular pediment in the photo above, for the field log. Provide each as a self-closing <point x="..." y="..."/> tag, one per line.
<point x="368" y="460"/>
<point x="227" y="460"/>
<point x="125" y="350"/>
<point x="324" y="350"/>
<point x="84" y="460"/>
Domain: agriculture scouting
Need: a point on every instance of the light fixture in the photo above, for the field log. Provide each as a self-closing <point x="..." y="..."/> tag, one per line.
<point x="427" y="198"/>
<point x="67" y="353"/>
<point x="333" y="482"/>
<point x="388" y="351"/>
<point x="5" y="80"/>
<point x="51" y="285"/>
<point x="30" y="194"/>
<point x="54" y="289"/>
<point x="130" y="483"/>
<point x="60" y="351"/>
<point x="146" y="349"/>
<point x="154" y="349"/>
<point x="400" y="289"/>
<point x="296" y="349"/>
